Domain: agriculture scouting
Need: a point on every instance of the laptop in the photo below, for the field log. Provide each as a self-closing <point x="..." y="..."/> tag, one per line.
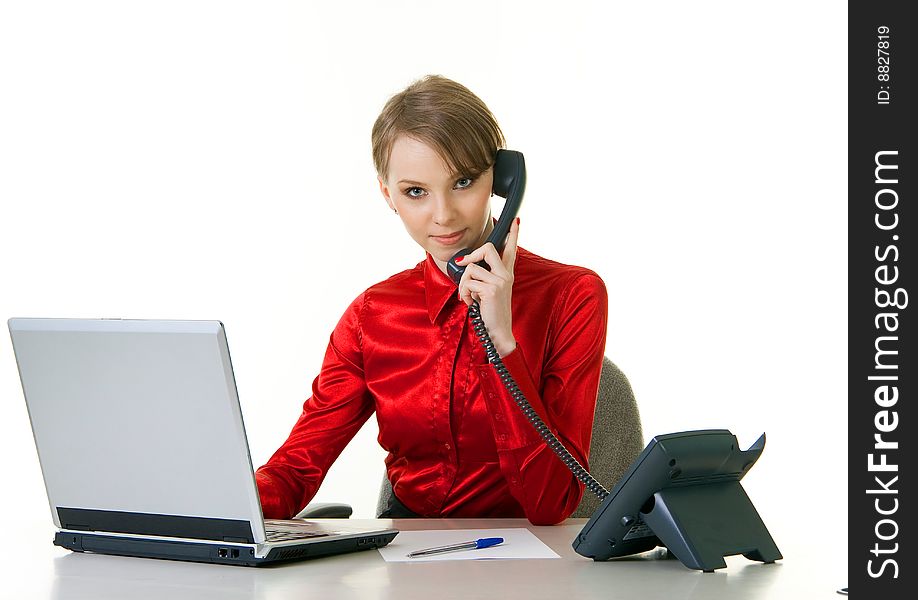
<point x="143" y="450"/>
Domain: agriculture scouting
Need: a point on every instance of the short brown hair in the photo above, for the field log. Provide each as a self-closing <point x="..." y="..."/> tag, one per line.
<point x="446" y="116"/>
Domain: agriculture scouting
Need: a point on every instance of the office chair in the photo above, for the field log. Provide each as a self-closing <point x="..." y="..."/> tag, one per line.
<point x="617" y="440"/>
<point x="617" y="434"/>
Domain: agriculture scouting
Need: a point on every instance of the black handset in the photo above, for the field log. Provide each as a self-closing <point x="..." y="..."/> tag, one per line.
<point x="509" y="183"/>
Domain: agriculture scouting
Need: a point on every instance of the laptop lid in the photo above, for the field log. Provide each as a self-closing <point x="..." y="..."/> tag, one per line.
<point x="138" y="427"/>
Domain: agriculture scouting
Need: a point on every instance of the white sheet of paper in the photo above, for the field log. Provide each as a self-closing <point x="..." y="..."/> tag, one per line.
<point x="519" y="542"/>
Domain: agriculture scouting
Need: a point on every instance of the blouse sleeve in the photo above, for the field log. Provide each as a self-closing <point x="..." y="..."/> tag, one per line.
<point x="339" y="405"/>
<point x="565" y="399"/>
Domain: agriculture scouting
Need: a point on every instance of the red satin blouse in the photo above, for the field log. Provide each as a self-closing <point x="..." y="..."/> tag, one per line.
<point x="458" y="444"/>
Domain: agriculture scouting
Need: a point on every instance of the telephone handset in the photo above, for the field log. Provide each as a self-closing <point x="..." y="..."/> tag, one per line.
<point x="510" y="183"/>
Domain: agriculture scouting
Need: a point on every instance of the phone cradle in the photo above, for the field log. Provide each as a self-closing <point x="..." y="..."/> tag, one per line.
<point x="701" y="524"/>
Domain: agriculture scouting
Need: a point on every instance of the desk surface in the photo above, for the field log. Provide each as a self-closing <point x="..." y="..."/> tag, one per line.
<point x="40" y="570"/>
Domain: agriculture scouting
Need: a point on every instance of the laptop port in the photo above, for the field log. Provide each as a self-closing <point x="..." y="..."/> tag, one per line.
<point x="222" y="552"/>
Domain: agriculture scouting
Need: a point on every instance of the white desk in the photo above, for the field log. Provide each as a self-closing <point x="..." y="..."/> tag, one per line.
<point x="41" y="570"/>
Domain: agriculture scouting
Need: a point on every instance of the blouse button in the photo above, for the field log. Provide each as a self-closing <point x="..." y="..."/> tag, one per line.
<point x="447" y="446"/>
<point x="498" y="416"/>
<point x="491" y="395"/>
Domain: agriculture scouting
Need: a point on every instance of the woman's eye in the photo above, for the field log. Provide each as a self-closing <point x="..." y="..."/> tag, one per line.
<point x="410" y="192"/>
<point x="464" y="182"/>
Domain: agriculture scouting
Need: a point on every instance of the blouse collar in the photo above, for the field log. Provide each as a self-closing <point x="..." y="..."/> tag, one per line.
<point x="438" y="287"/>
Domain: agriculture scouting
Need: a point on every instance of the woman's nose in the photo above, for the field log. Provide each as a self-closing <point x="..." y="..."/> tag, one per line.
<point x="443" y="211"/>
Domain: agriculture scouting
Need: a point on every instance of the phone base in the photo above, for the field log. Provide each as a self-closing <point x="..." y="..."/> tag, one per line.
<point x="701" y="524"/>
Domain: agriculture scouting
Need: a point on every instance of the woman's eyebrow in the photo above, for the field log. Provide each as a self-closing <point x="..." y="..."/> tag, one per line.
<point x="452" y="177"/>
<point x="418" y="183"/>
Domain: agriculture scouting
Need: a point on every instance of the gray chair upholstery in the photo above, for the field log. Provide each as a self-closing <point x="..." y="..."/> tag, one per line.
<point x="617" y="440"/>
<point x="617" y="434"/>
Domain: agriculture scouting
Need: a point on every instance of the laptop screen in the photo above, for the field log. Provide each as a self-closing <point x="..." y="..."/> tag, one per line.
<point x="138" y="426"/>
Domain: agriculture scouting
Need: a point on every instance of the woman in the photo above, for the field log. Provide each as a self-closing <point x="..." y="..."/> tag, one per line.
<point x="458" y="445"/>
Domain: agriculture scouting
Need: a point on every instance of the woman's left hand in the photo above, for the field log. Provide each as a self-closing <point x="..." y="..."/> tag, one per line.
<point x="493" y="289"/>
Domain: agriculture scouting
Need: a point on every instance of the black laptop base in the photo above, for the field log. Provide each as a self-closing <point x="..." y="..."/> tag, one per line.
<point x="228" y="554"/>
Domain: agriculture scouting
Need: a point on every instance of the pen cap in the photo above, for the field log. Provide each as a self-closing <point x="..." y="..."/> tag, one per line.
<point x="488" y="542"/>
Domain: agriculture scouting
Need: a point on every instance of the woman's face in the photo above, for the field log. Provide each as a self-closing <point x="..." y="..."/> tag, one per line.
<point x="434" y="203"/>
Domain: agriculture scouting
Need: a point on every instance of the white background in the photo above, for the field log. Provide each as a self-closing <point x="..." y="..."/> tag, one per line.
<point x="211" y="160"/>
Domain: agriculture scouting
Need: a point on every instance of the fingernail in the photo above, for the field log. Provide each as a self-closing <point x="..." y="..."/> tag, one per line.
<point x="460" y="259"/>
<point x="517" y="220"/>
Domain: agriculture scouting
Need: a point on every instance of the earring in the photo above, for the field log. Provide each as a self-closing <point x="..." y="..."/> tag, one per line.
<point x="396" y="210"/>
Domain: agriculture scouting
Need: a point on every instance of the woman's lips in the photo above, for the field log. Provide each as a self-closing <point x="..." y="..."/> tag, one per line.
<point x="448" y="240"/>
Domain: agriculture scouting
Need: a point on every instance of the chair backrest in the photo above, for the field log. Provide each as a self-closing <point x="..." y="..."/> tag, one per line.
<point x="617" y="438"/>
<point x="617" y="434"/>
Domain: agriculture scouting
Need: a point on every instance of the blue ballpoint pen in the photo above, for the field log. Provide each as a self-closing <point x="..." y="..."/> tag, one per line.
<point x="472" y="545"/>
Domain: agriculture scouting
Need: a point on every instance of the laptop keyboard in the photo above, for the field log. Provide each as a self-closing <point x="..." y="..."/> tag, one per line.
<point x="286" y="536"/>
<point x="284" y="531"/>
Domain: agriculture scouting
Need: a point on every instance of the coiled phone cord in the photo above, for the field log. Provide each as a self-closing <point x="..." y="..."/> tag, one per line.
<point x="550" y="439"/>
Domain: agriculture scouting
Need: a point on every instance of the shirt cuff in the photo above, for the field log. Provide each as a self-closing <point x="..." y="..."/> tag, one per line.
<point x="511" y="428"/>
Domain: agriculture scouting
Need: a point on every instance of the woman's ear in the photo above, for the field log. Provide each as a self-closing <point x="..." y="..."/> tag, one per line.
<point x="385" y="192"/>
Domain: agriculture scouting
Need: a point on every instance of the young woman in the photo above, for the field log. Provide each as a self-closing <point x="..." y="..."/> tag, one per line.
<point x="458" y="444"/>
